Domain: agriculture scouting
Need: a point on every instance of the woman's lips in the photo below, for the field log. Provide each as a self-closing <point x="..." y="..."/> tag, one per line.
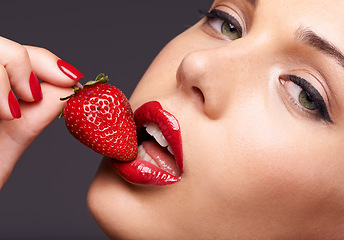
<point x="140" y="171"/>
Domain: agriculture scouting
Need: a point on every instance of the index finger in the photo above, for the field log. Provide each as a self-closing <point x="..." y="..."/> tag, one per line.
<point x="52" y="69"/>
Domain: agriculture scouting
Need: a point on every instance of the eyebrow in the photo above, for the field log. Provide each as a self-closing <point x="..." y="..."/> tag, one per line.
<point x="312" y="39"/>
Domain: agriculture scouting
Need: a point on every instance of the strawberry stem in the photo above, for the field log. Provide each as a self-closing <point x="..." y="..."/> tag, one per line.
<point x="100" y="79"/>
<point x="62" y="113"/>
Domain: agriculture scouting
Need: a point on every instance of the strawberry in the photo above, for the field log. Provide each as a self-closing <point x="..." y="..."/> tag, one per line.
<point x="99" y="116"/>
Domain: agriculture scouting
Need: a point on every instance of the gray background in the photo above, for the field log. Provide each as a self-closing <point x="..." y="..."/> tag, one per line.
<point x="45" y="197"/>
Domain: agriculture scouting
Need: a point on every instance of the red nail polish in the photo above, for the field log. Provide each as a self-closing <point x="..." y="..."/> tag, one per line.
<point x="35" y="87"/>
<point x="14" y="105"/>
<point x="69" y="70"/>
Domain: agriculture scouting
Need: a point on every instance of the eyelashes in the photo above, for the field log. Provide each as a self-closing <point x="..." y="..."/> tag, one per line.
<point x="307" y="96"/>
<point x="224" y="23"/>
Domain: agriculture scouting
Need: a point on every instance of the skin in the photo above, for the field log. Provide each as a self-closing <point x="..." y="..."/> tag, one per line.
<point x="16" y="64"/>
<point x="256" y="164"/>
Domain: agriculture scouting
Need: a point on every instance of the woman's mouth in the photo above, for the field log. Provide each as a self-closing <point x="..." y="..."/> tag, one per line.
<point x="160" y="156"/>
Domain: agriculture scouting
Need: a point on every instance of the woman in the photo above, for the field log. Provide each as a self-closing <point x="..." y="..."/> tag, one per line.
<point x="255" y="87"/>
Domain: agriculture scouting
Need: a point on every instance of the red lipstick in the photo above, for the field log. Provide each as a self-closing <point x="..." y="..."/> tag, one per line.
<point x="140" y="171"/>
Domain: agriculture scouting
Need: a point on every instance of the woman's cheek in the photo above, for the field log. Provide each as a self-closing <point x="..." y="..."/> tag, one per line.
<point x="287" y="168"/>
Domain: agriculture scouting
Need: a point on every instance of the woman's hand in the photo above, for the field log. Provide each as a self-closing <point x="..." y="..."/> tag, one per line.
<point x="39" y="103"/>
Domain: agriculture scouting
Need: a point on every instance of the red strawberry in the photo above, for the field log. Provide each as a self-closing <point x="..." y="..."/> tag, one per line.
<point x="99" y="116"/>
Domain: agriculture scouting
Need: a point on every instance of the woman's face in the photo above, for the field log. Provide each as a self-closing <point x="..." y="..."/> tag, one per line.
<point x="257" y="89"/>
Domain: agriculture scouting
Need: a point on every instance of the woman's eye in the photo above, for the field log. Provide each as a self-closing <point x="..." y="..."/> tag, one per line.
<point x="226" y="28"/>
<point x="224" y="23"/>
<point x="300" y="95"/>
<point x="306" y="96"/>
<point x="306" y="100"/>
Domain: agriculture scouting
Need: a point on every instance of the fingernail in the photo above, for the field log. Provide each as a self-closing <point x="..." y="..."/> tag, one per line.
<point x="69" y="70"/>
<point x="35" y="87"/>
<point x="14" y="105"/>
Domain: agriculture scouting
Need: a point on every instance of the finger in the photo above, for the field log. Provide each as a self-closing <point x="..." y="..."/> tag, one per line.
<point x="17" y="135"/>
<point x="37" y="116"/>
<point x="52" y="69"/>
<point x="9" y="106"/>
<point x="15" y="59"/>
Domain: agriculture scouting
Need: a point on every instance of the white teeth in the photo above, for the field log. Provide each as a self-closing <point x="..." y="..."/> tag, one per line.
<point x="154" y="131"/>
<point x="170" y="150"/>
<point x="143" y="155"/>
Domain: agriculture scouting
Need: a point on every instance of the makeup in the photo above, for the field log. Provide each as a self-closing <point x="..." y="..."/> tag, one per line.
<point x="140" y="171"/>
<point x="69" y="70"/>
<point x="14" y="105"/>
<point x="312" y="95"/>
<point x="215" y="13"/>
<point x="35" y="87"/>
<point x="228" y="22"/>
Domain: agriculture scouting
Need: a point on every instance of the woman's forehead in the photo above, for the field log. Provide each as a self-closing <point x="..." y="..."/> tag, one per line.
<point x="323" y="17"/>
<point x="326" y="7"/>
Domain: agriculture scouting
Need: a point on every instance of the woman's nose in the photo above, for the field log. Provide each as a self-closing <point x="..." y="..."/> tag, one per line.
<point x="205" y="77"/>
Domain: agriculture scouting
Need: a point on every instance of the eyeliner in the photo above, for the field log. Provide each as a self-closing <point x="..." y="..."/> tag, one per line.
<point x="315" y="96"/>
<point x="215" y="13"/>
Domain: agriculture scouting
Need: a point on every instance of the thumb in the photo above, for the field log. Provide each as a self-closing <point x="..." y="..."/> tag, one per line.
<point x="37" y="116"/>
<point x="18" y="134"/>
